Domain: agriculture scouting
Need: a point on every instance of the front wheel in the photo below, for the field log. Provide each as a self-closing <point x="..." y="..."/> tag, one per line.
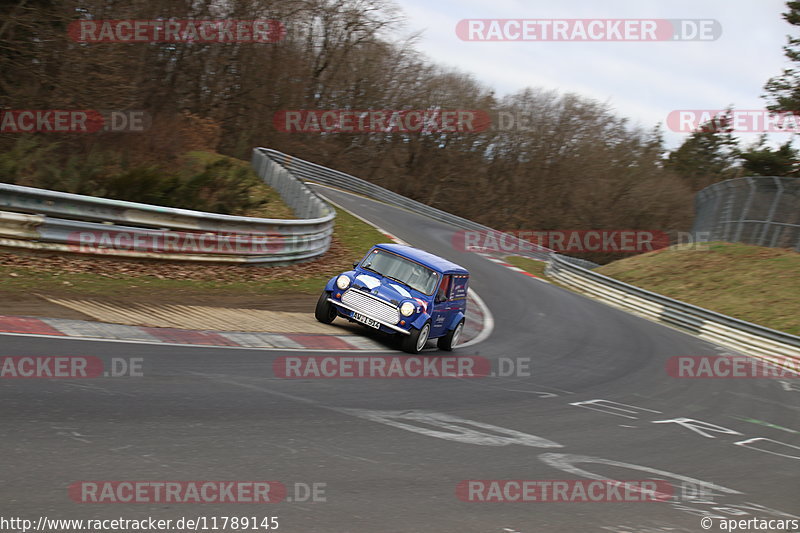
<point x="449" y="341"/>
<point x="325" y="311"/>
<point x="415" y="341"/>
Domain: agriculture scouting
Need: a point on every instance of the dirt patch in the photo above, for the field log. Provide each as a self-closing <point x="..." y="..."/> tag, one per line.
<point x="17" y="304"/>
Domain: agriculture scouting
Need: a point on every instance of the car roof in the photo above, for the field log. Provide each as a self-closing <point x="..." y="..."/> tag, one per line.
<point x="425" y="258"/>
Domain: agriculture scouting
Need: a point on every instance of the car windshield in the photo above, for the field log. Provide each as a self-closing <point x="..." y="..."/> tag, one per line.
<point x="393" y="266"/>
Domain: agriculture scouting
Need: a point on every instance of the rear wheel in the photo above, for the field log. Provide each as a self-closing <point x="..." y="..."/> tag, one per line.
<point x="415" y="341"/>
<point x="449" y="341"/>
<point x="325" y="311"/>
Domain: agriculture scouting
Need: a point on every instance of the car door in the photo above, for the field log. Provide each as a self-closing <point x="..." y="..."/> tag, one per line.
<point x="443" y="307"/>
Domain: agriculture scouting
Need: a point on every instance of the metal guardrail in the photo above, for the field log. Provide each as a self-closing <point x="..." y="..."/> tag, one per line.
<point x="312" y="172"/>
<point x="51" y="220"/>
<point x="763" y="342"/>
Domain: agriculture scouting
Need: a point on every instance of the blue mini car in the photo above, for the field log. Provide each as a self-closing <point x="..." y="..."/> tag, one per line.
<point x="401" y="290"/>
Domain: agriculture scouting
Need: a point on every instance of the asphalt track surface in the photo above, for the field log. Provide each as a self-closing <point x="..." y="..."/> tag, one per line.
<point x="391" y="452"/>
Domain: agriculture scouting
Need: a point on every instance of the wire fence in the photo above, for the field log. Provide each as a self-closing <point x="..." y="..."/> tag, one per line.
<point x="763" y="210"/>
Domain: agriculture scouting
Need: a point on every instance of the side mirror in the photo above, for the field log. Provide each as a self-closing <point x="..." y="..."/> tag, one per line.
<point x="439" y="298"/>
<point x="355" y="265"/>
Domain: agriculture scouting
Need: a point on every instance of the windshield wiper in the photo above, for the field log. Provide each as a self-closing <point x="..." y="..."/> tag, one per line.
<point x="395" y="279"/>
<point x="371" y="270"/>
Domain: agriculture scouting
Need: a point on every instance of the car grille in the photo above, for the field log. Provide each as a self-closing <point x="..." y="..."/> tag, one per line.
<point x="371" y="306"/>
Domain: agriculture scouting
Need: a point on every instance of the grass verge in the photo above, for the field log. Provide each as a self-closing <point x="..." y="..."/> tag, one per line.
<point x="534" y="267"/>
<point x="528" y="265"/>
<point x="271" y="203"/>
<point x="752" y="283"/>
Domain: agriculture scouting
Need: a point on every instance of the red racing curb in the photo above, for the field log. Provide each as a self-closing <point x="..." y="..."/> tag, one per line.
<point x="16" y="324"/>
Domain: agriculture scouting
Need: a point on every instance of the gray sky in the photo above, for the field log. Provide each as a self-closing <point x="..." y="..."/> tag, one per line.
<point x="643" y="81"/>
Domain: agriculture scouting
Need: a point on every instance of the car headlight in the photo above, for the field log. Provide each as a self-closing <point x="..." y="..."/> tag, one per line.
<point x="342" y="282"/>
<point x="407" y="309"/>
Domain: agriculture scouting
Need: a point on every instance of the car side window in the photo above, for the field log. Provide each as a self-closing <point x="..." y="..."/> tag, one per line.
<point x="458" y="287"/>
<point x="444" y="289"/>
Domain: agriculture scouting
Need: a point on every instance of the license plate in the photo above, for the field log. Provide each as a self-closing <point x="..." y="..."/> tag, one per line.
<point x="367" y="320"/>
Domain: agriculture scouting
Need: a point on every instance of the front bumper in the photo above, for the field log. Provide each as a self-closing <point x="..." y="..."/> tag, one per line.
<point x="381" y="322"/>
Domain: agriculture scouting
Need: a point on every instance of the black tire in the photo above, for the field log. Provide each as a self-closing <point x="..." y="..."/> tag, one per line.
<point x="325" y="311"/>
<point x="415" y="341"/>
<point x="449" y="341"/>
